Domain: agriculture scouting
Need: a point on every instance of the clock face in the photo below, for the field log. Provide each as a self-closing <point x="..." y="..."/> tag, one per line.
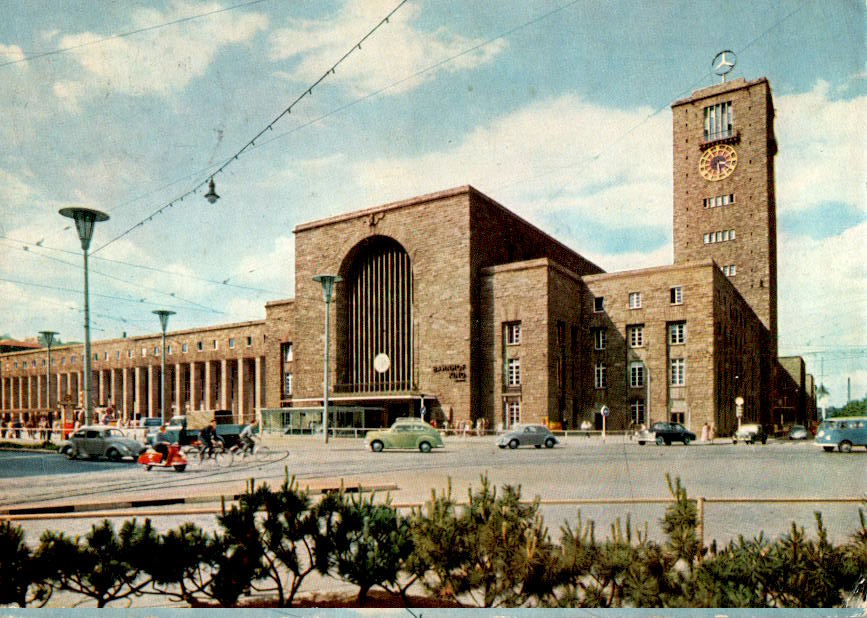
<point x="718" y="162"/>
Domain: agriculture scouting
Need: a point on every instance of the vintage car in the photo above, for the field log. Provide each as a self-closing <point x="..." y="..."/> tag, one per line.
<point x="751" y="433"/>
<point x="528" y="435"/>
<point x="665" y="433"/>
<point x="842" y="433"/>
<point x="100" y="441"/>
<point x="407" y="433"/>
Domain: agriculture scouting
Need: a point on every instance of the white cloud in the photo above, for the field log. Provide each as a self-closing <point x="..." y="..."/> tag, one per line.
<point x="159" y="62"/>
<point x="320" y="43"/>
<point x="272" y="269"/>
<point x="563" y="154"/>
<point x="823" y="151"/>
<point x="12" y="53"/>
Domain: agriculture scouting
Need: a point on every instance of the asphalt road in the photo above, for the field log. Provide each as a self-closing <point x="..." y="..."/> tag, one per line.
<point x="582" y="468"/>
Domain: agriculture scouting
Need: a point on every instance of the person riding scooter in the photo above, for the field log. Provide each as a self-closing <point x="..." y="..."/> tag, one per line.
<point x="162" y="442"/>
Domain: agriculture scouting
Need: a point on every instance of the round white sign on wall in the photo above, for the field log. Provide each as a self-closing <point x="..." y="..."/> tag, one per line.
<point x="739" y="401"/>
<point x="381" y="363"/>
<point x="605" y="411"/>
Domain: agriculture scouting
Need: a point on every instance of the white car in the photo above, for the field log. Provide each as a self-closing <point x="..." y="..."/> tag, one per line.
<point x="99" y="441"/>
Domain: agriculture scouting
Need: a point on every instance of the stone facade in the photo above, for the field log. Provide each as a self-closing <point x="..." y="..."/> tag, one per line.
<point x="438" y="284"/>
<point x="752" y="215"/>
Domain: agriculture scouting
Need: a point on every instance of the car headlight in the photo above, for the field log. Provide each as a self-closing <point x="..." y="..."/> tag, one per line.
<point x="820" y="434"/>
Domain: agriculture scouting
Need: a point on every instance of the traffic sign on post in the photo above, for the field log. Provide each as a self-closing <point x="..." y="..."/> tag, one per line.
<point x="605" y="412"/>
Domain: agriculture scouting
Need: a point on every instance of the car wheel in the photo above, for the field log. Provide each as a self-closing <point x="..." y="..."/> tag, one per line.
<point x="641" y="442"/>
<point x="513" y="443"/>
<point x="376" y="446"/>
<point x="549" y="443"/>
<point x="502" y="445"/>
<point x="424" y="447"/>
<point x="113" y="454"/>
<point x="828" y="449"/>
<point x="686" y="441"/>
<point x="845" y="446"/>
<point x="70" y="453"/>
<point x="538" y="445"/>
<point x="765" y="440"/>
<point x="734" y="440"/>
<point x="181" y="467"/>
<point x="148" y="468"/>
<point x="660" y="440"/>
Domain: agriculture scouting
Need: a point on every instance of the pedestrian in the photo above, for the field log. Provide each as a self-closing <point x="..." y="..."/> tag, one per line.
<point x="705" y="431"/>
<point x="712" y="432"/>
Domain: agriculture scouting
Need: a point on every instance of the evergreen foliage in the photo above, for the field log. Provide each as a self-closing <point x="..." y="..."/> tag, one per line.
<point x="493" y="552"/>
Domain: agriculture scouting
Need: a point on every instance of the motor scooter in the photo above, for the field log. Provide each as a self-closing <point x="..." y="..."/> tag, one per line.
<point x="175" y="459"/>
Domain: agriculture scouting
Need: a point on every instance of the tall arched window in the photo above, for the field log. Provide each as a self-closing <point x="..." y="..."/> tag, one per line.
<point x="379" y="317"/>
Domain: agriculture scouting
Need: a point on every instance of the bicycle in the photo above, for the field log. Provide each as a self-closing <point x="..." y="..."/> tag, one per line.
<point x="220" y="455"/>
<point x="254" y="449"/>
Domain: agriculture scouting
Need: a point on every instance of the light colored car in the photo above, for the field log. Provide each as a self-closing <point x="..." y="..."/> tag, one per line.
<point x="407" y="433"/>
<point x="528" y="435"/>
<point x="798" y="432"/>
<point x="99" y="441"/>
<point x="750" y="434"/>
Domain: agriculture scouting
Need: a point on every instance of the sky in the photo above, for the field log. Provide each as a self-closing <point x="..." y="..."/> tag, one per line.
<point x="558" y="110"/>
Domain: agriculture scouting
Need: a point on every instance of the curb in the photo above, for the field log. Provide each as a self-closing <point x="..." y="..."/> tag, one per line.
<point x="63" y="509"/>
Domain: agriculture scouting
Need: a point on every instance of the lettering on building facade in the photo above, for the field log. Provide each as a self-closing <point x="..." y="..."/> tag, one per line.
<point x="457" y="372"/>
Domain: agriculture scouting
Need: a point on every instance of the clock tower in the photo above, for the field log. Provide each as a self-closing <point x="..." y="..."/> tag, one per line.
<point x="724" y="203"/>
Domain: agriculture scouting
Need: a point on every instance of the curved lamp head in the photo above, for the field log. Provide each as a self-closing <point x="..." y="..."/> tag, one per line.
<point x="85" y="219"/>
<point x="164" y="317"/>
<point x="327" y="282"/>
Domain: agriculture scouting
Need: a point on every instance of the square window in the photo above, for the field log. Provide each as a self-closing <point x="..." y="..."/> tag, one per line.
<point x="117" y="355"/>
<point x="636" y="336"/>
<point x="513" y="333"/>
<point x="677" y="333"/>
<point x="287" y="384"/>
<point x="105" y="356"/>
<point x="707" y="239"/>
<point x="290" y="354"/>
<point x="635" y="300"/>
<point x="249" y="341"/>
<point x="215" y="344"/>
<point x="718" y="121"/>
<point x="129" y="353"/>
<point x="600" y="380"/>
<point x="599" y="304"/>
<point x="184" y="348"/>
<point x="168" y="349"/>
<point x="676" y="295"/>
<point x="731" y="234"/>
<point x="732" y="270"/>
<point x="199" y="346"/>
<point x="514" y="372"/>
<point x="231" y="342"/>
<point x="156" y="351"/>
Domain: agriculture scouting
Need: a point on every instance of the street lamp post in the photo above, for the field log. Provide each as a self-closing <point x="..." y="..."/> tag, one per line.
<point x="85" y="219"/>
<point x="48" y="337"/>
<point x="327" y="282"/>
<point x="164" y="321"/>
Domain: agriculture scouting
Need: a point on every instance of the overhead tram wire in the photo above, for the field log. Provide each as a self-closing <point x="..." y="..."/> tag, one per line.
<point x="63" y="50"/>
<point x="143" y="267"/>
<point x="251" y="143"/>
<point x="126" y="299"/>
<point x="191" y="303"/>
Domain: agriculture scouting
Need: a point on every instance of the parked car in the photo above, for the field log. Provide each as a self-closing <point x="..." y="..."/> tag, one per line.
<point x="798" y="432"/>
<point x="842" y="433"/>
<point x="751" y="433"/>
<point x="528" y="435"/>
<point x="100" y="441"/>
<point x="665" y="433"/>
<point x="408" y="433"/>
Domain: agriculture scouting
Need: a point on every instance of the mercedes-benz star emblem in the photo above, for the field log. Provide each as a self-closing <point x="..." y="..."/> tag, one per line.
<point x="724" y="62"/>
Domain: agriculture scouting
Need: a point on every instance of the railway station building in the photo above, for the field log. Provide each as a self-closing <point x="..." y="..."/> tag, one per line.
<point x="451" y="302"/>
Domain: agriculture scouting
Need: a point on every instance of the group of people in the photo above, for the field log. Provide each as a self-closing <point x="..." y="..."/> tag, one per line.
<point x="41" y="429"/>
<point x="207" y="438"/>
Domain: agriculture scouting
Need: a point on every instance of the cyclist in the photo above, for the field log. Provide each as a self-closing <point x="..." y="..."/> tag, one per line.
<point x="245" y="438"/>
<point x="206" y="437"/>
